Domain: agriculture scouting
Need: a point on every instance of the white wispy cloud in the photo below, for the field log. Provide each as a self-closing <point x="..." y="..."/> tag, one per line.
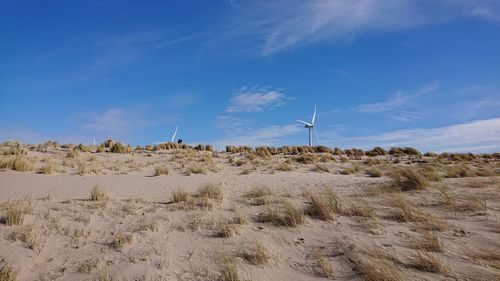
<point x="473" y="136"/>
<point x="256" y="99"/>
<point x="403" y="105"/>
<point x="276" y="25"/>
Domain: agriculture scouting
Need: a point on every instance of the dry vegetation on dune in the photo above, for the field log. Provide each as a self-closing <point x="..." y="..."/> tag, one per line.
<point x="296" y="212"/>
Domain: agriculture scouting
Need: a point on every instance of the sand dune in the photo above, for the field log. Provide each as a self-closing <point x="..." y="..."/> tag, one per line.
<point x="238" y="216"/>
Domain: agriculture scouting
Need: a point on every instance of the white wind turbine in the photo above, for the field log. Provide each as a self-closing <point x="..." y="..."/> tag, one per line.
<point x="311" y="126"/>
<point x="173" y="136"/>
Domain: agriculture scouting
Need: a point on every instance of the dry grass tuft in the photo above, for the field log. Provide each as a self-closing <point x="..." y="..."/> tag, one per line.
<point x="195" y="170"/>
<point x="374" y="173"/>
<point x="408" y="179"/>
<point x="239" y="219"/>
<point x="474" y="204"/>
<point x="323" y="266"/>
<point x="429" y="242"/>
<point x="48" y="168"/>
<point x="29" y="236"/>
<point x="320" y="168"/>
<point x="284" y="167"/>
<point x="228" y="269"/>
<point x="148" y="225"/>
<point x="16" y="211"/>
<point x="120" y="240"/>
<point x="89" y="265"/>
<point x="287" y="214"/>
<point x="161" y="170"/>
<point x="258" y="191"/>
<point x="7" y="271"/>
<point x="321" y="208"/>
<point x="97" y="194"/>
<point x="257" y="254"/>
<point x="211" y="191"/>
<point x="377" y="269"/>
<point x="360" y="208"/>
<point x="180" y="196"/>
<point x="74" y="153"/>
<point x="427" y="262"/>
<point x="22" y="164"/>
<point x="225" y="229"/>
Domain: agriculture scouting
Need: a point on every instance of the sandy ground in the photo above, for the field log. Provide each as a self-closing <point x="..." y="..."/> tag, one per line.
<point x="140" y="233"/>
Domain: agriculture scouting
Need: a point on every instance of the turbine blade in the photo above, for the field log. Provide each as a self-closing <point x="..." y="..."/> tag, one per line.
<point x="316" y="133"/>
<point x="304" y="122"/>
<point x="314" y="116"/>
<point x="175" y="133"/>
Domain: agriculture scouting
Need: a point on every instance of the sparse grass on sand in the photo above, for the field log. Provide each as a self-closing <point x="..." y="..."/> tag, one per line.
<point x="211" y="191"/>
<point x="29" y="236"/>
<point x="407" y="179"/>
<point x="321" y="208"/>
<point x="225" y="229"/>
<point x="286" y="214"/>
<point x="228" y="268"/>
<point x="120" y="240"/>
<point x="378" y="269"/>
<point x="15" y="212"/>
<point x="427" y="262"/>
<point x="48" y="168"/>
<point x="89" y="265"/>
<point x="7" y="271"/>
<point x="257" y="254"/>
<point x="180" y="196"/>
<point x="161" y="171"/>
<point x="97" y="194"/>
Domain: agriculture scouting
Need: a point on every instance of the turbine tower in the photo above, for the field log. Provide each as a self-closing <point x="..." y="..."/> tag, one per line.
<point x="311" y="126"/>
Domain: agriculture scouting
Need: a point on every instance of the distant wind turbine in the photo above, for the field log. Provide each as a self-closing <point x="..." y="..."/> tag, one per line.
<point x="94" y="140"/>
<point x="311" y="126"/>
<point x="173" y="136"/>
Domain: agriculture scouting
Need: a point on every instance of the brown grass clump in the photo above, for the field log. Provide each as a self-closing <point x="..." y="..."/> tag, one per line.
<point x="228" y="269"/>
<point x="258" y="191"/>
<point x="360" y="208"/>
<point x="459" y="171"/>
<point x="239" y="219"/>
<point x="431" y="173"/>
<point x="320" y="168"/>
<point x="120" y="240"/>
<point x="16" y="211"/>
<point x="323" y="266"/>
<point x="48" y="168"/>
<point x="29" y="236"/>
<point x="22" y="164"/>
<point x="408" y="179"/>
<point x="378" y="269"/>
<point x="195" y="170"/>
<point x="427" y="262"/>
<point x="161" y="170"/>
<point x="89" y="265"/>
<point x="180" y="196"/>
<point x="257" y="254"/>
<point x="321" y="208"/>
<point x="374" y="173"/>
<point x="284" y="167"/>
<point x="225" y="229"/>
<point x="148" y="225"/>
<point x="478" y="184"/>
<point x="97" y="194"/>
<point x="7" y="271"/>
<point x="405" y="211"/>
<point x="75" y="153"/>
<point x="287" y="214"/>
<point x="429" y="242"/>
<point x="474" y="204"/>
<point x="211" y="191"/>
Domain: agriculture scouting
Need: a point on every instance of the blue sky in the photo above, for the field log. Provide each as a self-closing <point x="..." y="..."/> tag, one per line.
<point x="381" y="72"/>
